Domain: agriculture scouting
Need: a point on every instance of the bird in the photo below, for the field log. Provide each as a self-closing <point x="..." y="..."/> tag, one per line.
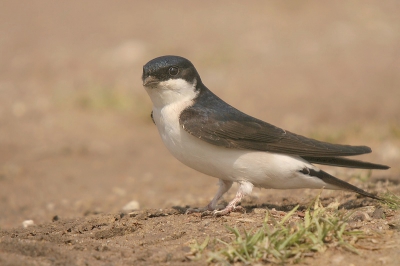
<point x="207" y="134"/>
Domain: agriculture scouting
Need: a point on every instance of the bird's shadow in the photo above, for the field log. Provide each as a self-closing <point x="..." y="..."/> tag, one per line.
<point x="349" y="204"/>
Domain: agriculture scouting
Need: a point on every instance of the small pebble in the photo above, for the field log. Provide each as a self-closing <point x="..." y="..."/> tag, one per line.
<point x="131" y="206"/>
<point x="301" y="214"/>
<point x="360" y="216"/>
<point x="28" y="223"/>
<point x="378" y="214"/>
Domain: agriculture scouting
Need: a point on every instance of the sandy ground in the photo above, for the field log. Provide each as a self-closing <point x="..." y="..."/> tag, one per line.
<point x="77" y="143"/>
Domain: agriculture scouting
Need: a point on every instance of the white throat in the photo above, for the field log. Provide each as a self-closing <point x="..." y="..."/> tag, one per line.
<point x="170" y="98"/>
<point x="172" y="91"/>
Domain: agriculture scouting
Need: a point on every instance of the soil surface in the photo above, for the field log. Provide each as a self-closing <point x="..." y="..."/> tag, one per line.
<point x="84" y="176"/>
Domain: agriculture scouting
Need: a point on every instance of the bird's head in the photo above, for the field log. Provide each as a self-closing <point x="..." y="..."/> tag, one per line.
<point x="170" y="79"/>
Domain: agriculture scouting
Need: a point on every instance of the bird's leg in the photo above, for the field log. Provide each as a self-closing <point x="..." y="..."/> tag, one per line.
<point x="245" y="189"/>
<point x="224" y="186"/>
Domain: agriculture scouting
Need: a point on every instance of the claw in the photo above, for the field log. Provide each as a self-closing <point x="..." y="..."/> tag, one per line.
<point x="228" y="210"/>
<point x="223" y="212"/>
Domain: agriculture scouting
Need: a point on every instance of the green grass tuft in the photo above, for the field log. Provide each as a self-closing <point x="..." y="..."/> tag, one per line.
<point x="390" y="200"/>
<point x="197" y="249"/>
<point x="288" y="240"/>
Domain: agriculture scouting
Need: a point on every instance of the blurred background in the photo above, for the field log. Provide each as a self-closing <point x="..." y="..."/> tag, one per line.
<point x="75" y="130"/>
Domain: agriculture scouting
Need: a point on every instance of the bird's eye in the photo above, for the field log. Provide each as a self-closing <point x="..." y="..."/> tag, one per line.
<point x="173" y="71"/>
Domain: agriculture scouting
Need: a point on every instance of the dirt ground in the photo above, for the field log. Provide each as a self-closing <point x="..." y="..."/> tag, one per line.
<point x="77" y="143"/>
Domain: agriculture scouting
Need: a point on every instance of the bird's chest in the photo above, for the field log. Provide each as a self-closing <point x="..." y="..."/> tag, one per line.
<point x="167" y="121"/>
<point x="189" y="150"/>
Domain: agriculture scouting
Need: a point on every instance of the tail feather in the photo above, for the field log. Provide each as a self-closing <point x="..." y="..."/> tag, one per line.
<point x="340" y="184"/>
<point x="344" y="162"/>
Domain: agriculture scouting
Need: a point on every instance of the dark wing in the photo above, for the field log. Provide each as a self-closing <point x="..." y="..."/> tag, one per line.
<point x="218" y="123"/>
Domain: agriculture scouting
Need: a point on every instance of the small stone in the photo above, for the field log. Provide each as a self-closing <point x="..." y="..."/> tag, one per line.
<point x="301" y="214"/>
<point x="378" y="214"/>
<point x="360" y="216"/>
<point x="28" y="223"/>
<point x="55" y="218"/>
<point x="131" y="206"/>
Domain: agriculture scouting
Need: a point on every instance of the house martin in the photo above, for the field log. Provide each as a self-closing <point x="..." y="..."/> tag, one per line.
<point x="209" y="135"/>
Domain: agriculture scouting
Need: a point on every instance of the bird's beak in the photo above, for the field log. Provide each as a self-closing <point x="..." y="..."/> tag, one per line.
<point x="150" y="80"/>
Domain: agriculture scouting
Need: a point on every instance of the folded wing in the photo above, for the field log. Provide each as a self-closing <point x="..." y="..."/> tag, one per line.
<point x="214" y="121"/>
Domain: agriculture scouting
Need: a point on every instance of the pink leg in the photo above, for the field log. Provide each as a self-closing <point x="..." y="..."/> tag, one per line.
<point x="224" y="186"/>
<point x="245" y="188"/>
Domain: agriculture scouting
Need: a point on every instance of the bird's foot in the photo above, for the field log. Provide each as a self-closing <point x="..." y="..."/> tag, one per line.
<point x="225" y="211"/>
<point x="228" y="209"/>
<point x="211" y="209"/>
<point x="207" y="211"/>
